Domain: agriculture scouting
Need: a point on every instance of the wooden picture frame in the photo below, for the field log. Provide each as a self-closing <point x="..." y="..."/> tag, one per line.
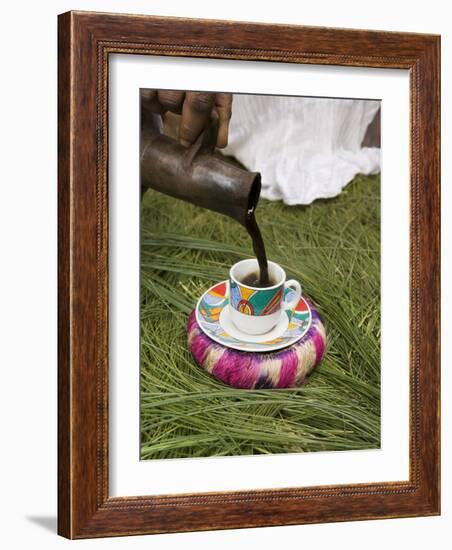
<point x="85" y="42"/>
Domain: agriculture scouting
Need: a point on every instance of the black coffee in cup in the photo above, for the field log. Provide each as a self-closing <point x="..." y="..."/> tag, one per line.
<point x="253" y="279"/>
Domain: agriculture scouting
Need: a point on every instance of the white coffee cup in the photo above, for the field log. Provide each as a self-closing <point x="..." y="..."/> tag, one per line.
<point x="256" y="310"/>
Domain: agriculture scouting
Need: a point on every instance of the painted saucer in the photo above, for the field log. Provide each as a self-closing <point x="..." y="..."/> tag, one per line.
<point x="212" y="314"/>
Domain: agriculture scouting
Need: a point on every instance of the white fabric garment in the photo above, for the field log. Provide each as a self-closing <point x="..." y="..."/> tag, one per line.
<point x="305" y="148"/>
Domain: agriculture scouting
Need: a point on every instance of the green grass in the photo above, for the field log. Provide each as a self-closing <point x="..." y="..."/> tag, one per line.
<point x="333" y="248"/>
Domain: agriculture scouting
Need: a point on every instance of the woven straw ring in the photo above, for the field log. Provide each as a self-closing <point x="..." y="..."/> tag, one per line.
<point x="286" y="368"/>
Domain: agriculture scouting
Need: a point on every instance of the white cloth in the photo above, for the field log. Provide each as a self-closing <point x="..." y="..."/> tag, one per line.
<point x="305" y="148"/>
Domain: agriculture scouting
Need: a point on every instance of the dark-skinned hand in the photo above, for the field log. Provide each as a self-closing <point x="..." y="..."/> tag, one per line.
<point x="195" y="109"/>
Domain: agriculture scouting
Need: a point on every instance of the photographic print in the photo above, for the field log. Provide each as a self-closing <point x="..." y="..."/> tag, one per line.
<point x="248" y="315"/>
<point x="260" y="274"/>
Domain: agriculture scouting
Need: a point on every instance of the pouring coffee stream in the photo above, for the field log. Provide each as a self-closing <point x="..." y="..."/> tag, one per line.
<point x="201" y="176"/>
<point x="259" y="249"/>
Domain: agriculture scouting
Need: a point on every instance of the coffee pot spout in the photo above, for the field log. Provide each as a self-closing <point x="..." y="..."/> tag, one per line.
<point x="196" y="174"/>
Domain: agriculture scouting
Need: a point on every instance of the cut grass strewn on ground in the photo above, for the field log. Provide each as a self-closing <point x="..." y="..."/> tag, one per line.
<point x="333" y="248"/>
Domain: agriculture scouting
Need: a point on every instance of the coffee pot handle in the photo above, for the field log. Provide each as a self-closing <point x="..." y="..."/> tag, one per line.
<point x="206" y="141"/>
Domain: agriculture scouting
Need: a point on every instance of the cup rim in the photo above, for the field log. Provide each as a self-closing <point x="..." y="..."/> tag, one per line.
<point x="254" y="260"/>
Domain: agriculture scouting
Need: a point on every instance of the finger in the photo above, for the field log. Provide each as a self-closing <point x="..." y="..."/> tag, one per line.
<point x="223" y="107"/>
<point x="171" y="100"/>
<point x="149" y="101"/>
<point x="171" y="125"/>
<point x="195" y="113"/>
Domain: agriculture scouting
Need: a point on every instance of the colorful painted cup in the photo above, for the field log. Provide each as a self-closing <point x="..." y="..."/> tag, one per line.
<point x="257" y="310"/>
